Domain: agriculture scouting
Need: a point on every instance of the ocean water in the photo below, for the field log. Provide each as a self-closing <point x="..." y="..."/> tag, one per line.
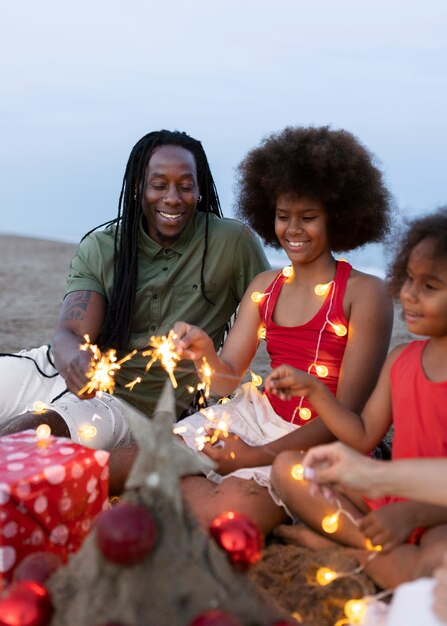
<point x="372" y="259"/>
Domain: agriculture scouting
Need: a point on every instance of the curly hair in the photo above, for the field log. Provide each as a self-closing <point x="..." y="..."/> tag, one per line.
<point x="433" y="227"/>
<point x="330" y="166"/>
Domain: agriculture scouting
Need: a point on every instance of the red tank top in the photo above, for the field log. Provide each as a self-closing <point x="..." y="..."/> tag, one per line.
<point x="304" y="346"/>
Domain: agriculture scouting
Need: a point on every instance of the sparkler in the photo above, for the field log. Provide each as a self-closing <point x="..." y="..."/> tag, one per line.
<point x="164" y="350"/>
<point x="102" y="368"/>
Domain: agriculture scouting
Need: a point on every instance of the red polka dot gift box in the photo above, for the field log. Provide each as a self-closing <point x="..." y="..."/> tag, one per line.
<point x="51" y="491"/>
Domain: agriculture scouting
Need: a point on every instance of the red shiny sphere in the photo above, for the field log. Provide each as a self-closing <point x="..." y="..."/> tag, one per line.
<point x="126" y="533"/>
<point x="214" y="617"/>
<point x="239" y="537"/>
<point x="37" y="566"/>
<point x="25" y="603"/>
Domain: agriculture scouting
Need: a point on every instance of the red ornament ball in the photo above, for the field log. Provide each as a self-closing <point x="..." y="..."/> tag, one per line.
<point x="214" y="617"/>
<point x="37" y="566"/>
<point x="239" y="537"/>
<point x="126" y="533"/>
<point x="25" y="603"/>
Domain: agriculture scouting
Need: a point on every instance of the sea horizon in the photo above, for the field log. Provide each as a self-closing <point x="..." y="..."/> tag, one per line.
<point x="371" y="259"/>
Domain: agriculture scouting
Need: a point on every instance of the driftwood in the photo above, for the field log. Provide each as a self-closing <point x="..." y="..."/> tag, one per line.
<point x="184" y="575"/>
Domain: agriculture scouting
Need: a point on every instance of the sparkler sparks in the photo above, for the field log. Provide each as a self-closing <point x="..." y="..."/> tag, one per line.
<point x="164" y="350"/>
<point x="102" y="368"/>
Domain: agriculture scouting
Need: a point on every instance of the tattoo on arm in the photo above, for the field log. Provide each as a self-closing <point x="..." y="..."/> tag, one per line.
<point x="76" y="305"/>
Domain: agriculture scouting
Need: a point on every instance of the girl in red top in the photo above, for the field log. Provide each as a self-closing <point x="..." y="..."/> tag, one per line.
<point x="311" y="191"/>
<point x="411" y="393"/>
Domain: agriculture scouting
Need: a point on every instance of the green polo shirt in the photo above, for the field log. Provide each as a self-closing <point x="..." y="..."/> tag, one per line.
<point x="168" y="290"/>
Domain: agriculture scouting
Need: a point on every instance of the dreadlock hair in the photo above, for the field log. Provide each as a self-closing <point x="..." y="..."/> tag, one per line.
<point x="116" y="330"/>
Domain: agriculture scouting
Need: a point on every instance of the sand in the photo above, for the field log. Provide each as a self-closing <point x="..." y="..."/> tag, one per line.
<point x="32" y="281"/>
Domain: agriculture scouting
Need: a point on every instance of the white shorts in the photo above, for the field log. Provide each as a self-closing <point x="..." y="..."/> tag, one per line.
<point x="250" y="416"/>
<point x="30" y="376"/>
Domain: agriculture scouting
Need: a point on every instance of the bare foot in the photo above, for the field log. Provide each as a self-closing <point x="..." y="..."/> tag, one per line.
<point x="301" y="535"/>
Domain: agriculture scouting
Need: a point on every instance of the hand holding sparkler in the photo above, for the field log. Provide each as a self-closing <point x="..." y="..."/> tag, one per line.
<point x="191" y="342"/>
<point x="286" y="381"/>
<point x="229" y="451"/>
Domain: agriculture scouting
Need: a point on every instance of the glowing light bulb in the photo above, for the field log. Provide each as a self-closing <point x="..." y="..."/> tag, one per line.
<point x="87" y="431"/>
<point x="39" y="407"/>
<point x="355" y="610"/>
<point x="297" y="472"/>
<point x="305" y="413"/>
<point x="287" y="271"/>
<point x="339" y="329"/>
<point x="43" y="432"/>
<point x="322" y="371"/>
<point x="256" y="379"/>
<point x="370" y="546"/>
<point x="325" y="576"/>
<point x="257" y="296"/>
<point x="322" y="289"/>
<point x="329" y="523"/>
<point x="262" y="333"/>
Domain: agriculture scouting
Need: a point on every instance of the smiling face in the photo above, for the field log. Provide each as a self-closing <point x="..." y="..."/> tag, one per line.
<point x="170" y="193"/>
<point x="301" y="228"/>
<point x="424" y="293"/>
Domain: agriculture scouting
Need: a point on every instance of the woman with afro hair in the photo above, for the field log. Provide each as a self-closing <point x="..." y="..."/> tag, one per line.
<point x="313" y="192"/>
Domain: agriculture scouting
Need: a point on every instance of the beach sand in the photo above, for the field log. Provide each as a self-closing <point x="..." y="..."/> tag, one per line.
<point x="32" y="283"/>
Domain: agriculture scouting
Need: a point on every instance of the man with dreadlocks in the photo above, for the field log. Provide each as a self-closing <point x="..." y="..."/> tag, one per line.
<point x="168" y="255"/>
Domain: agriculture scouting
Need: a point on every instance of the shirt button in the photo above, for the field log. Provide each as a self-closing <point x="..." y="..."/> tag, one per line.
<point x="153" y="328"/>
<point x="165" y="269"/>
<point x="167" y="251"/>
<point x="154" y="297"/>
<point x="194" y="287"/>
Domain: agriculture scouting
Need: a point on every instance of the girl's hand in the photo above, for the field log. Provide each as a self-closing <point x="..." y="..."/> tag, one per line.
<point x="191" y="341"/>
<point x="389" y="526"/>
<point x="285" y="381"/>
<point x="230" y="453"/>
<point x="440" y="591"/>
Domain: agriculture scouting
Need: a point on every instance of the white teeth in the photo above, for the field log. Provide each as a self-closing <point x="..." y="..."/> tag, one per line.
<point x="297" y="244"/>
<point x="169" y="216"/>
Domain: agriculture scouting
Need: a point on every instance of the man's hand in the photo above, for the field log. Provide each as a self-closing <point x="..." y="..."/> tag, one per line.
<point x="75" y="373"/>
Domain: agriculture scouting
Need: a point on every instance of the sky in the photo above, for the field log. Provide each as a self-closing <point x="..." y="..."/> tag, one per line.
<point x="81" y="82"/>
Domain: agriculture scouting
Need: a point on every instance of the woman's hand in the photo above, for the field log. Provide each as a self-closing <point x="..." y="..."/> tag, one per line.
<point x="285" y="382"/>
<point x="230" y="453"/>
<point x="339" y="466"/>
<point x="191" y="341"/>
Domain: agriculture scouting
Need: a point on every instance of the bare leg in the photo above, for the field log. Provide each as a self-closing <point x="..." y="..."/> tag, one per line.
<point x="208" y="500"/>
<point x="311" y="510"/>
<point x="120" y="464"/>
<point x="32" y="420"/>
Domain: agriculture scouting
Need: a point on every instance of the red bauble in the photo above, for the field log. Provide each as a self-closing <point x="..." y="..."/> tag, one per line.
<point x="239" y="537"/>
<point x="25" y="603"/>
<point x="214" y="617"/>
<point x="126" y="533"/>
<point x="37" y="566"/>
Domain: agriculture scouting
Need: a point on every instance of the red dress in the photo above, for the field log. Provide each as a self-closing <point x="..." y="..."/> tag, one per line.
<point x="312" y="343"/>
<point x="419" y="415"/>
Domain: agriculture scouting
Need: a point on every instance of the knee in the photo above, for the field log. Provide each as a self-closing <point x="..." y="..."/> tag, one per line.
<point x="30" y="421"/>
<point x="281" y="476"/>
